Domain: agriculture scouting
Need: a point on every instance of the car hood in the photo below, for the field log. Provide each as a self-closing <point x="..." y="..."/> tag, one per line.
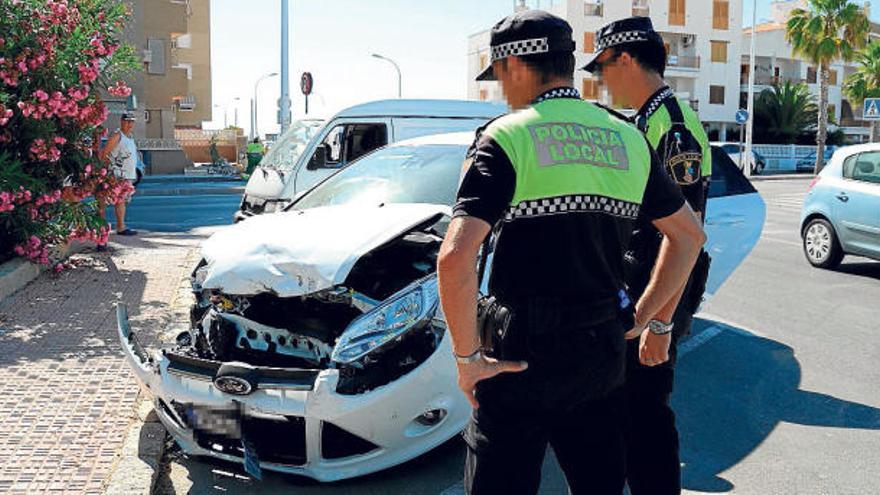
<point x="299" y="252"/>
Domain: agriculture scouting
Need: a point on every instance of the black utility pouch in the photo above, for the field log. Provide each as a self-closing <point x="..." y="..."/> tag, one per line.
<point x="493" y="320"/>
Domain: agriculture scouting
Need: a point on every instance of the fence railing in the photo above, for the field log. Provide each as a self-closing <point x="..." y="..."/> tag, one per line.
<point x="783" y="157"/>
<point x="153" y="144"/>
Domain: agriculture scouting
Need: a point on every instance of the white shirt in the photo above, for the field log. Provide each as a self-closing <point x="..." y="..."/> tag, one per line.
<point x="123" y="157"/>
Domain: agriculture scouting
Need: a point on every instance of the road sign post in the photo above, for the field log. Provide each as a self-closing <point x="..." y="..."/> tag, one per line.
<point x="306" y="84"/>
<point x="741" y="117"/>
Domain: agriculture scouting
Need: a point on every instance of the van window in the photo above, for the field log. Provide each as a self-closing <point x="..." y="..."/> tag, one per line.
<point x="361" y="139"/>
<point x="348" y="142"/>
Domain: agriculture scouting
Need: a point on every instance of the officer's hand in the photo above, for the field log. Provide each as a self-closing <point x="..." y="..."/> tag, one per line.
<point x="654" y="349"/>
<point x="486" y="367"/>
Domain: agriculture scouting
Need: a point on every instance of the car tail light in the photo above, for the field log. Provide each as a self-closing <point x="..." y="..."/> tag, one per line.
<point x="813" y="182"/>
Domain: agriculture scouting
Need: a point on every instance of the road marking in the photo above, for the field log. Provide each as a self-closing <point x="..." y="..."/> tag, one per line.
<point x="699" y="339"/>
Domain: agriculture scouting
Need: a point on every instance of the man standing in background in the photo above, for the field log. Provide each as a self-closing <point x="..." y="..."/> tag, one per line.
<point x="121" y="151"/>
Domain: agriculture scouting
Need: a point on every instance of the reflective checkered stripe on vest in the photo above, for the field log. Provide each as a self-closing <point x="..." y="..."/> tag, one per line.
<point x="571" y="156"/>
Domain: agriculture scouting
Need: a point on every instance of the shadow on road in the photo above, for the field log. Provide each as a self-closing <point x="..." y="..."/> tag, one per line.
<point x="867" y="269"/>
<point x="734" y="391"/>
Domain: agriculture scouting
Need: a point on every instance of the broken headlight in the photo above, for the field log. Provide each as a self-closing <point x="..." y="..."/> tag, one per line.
<point x="411" y="306"/>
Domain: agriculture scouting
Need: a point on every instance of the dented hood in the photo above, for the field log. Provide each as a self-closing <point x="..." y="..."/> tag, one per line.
<point x="300" y="252"/>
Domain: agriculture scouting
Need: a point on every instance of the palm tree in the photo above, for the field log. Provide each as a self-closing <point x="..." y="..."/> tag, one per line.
<point x="826" y="31"/>
<point x="785" y="112"/>
<point x="865" y="81"/>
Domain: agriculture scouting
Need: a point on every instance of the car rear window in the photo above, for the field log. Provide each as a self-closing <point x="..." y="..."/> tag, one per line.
<point x="726" y="180"/>
<point x="730" y="148"/>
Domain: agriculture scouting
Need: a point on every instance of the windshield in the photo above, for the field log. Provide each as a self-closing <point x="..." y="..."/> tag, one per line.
<point x="399" y="174"/>
<point x="287" y="148"/>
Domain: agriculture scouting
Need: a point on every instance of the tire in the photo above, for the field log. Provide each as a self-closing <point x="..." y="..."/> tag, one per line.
<point x="821" y="247"/>
<point x="140" y="175"/>
<point x="759" y="168"/>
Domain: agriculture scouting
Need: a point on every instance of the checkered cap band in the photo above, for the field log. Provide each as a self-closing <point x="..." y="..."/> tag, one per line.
<point x="520" y="47"/>
<point x="614" y="39"/>
<point x="575" y="203"/>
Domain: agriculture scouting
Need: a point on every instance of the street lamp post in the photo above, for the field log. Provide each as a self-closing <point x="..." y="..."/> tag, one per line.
<point x="750" y="103"/>
<point x="255" y="132"/>
<point x="396" y="67"/>
<point x="226" y="113"/>
<point x="284" y="101"/>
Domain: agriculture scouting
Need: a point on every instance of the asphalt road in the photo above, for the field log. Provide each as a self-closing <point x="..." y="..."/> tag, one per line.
<point x="182" y="206"/>
<point x="776" y="391"/>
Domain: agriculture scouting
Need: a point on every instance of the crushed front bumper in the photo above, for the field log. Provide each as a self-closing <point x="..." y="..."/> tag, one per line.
<point x="295" y="420"/>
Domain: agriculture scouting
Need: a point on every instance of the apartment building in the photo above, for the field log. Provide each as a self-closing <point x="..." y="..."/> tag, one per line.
<point x="703" y="39"/>
<point x="173" y="40"/>
<point x="776" y="63"/>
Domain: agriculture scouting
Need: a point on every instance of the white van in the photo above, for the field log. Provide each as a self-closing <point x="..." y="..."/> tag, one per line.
<point x="308" y="152"/>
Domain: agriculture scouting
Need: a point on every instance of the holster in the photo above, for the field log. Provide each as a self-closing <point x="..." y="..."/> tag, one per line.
<point x="493" y="320"/>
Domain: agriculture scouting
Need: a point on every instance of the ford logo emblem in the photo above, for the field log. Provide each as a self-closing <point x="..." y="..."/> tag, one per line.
<point x="233" y="385"/>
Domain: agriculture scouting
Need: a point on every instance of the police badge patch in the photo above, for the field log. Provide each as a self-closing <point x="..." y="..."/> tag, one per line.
<point x="685" y="168"/>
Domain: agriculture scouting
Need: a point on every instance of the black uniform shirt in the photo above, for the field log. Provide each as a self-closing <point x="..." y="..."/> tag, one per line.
<point x="575" y="255"/>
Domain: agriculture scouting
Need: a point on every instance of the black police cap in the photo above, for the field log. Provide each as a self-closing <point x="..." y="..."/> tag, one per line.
<point x="624" y="31"/>
<point x="529" y="32"/>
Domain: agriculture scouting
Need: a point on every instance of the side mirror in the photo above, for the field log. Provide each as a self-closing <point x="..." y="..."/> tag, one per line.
<point x="319" y="159"/>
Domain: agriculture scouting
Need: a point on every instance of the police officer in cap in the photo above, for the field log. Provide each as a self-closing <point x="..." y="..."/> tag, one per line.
<point x="561" y="181"/>
<point x="630" y="61"/>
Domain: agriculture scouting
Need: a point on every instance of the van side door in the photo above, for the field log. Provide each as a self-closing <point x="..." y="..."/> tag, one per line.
<point x="342" y="142"/>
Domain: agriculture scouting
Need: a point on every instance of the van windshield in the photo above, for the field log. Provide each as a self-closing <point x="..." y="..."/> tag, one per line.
<point x="287" y="149"/>
<point x="398" y="174"/>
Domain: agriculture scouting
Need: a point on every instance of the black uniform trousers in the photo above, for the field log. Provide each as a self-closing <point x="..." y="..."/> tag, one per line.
<point x="652" y="447"/>
<point x="569" y="398"/>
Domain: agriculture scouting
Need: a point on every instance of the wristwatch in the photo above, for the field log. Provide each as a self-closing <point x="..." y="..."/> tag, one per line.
<point x="658" y="327"/>
<point x="470" y="358"/>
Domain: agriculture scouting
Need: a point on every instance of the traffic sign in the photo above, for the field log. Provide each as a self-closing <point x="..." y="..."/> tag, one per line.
<point x="742" y="116"/>
<point x="871" y="110"/>
<point x="306" y="83"/>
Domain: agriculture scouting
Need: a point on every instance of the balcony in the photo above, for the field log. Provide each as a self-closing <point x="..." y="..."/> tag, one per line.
<point x="684" y="64"/>
<point x="593" y="9"/>
<point x="767" y="80"/>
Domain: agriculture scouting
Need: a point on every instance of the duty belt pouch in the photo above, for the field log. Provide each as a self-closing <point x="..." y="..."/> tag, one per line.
<point x="493" y="318"/>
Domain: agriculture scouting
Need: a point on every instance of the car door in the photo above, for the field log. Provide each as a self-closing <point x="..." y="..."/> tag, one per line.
<point x="856" y="207"/>
<point x="341" y="143"/>
<point x="734" y="219"/>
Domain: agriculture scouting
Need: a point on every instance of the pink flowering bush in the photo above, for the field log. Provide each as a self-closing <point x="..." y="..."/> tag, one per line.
<point x="56" y="57"/>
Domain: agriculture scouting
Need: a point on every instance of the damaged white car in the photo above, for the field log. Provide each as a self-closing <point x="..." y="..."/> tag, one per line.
<point x="317" y="345"/>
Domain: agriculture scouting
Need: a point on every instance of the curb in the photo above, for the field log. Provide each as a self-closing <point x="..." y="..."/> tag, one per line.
<point x="138" y="467"/>
<point x="16" y="273"/>
<point x="782" y="177"/>
<point x="140" y="460"/>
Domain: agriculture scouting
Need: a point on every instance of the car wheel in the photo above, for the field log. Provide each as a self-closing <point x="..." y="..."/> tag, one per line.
<point x="759" y="168"/>
<point x="821" y="246"/>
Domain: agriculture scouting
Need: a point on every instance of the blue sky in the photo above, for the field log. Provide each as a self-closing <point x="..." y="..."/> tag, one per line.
<point x="333" y="39"/>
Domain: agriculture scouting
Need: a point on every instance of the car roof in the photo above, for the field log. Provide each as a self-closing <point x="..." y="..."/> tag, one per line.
<point x="857" y="148"/>
<point x="426" y="108"/>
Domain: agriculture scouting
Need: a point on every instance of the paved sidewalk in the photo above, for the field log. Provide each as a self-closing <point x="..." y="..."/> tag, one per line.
<point x="66" y="396"/>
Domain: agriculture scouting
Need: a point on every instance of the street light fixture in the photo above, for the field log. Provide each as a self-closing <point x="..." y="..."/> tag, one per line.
<point x="396" y="67"/>
<point x="254" y="112"/>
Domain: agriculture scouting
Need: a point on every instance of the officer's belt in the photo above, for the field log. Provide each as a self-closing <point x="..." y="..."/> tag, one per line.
<point x="569" y="308"/>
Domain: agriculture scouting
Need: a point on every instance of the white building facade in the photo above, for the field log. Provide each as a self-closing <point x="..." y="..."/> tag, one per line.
<point x="776" y="63"/>
<point x="703" y="39"/>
